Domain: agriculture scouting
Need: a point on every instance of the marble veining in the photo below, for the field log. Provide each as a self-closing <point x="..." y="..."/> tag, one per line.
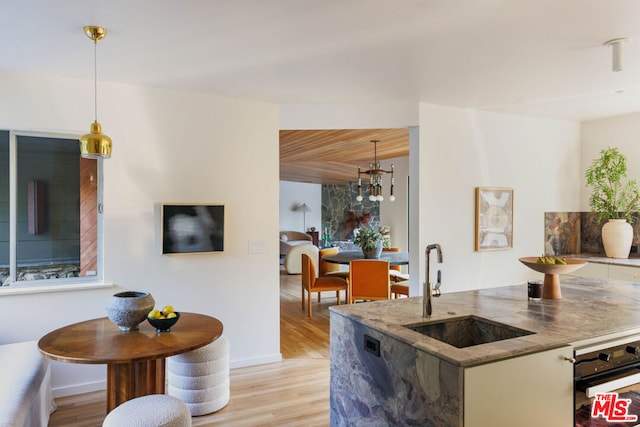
<point x="579" y="232"/>
<point x="418" y="380"/>
<point x="403" y="386"/>
<point x="590" y="307"/>
<point x="632" y="261"/>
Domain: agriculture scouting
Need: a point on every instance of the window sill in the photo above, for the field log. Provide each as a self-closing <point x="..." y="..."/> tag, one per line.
<point x="63" y="287"/>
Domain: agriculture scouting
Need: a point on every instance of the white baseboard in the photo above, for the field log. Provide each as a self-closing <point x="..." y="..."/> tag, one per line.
<point x="102" y="385"/>
<point x="72" y="390"/>
<point x="243" y="363"/>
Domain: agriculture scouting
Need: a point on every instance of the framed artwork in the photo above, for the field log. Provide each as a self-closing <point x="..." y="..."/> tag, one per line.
<point x="192" y="228"/>
<point x="494" y="218"/>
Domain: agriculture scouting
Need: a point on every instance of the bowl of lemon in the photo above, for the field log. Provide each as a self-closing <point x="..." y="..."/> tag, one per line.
<point x="163" y="319"/>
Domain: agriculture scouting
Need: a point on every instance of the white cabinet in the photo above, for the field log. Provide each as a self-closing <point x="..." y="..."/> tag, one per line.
<point x="620" y="272"/>
<point x="523" y="391"/>
<point x="592" y="269"/>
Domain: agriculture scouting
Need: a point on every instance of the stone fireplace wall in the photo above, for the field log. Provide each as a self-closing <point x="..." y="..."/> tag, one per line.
<point x="341" y="212"/>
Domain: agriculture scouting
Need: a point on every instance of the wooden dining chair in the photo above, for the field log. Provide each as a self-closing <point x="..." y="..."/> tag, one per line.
<point x="395" y="272"/>
<point x="399" y="288"/>
<point x="330" y="269"/>
<point x="368" y="280"/>
<point x="311" y="283"/>
<point x="399" y="281"/>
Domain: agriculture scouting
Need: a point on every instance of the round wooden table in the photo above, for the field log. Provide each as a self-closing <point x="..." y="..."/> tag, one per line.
<point x="394" y="258"/>
<point x="135" y="359"/>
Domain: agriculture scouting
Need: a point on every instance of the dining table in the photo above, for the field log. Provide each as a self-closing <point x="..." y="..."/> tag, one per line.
<point x="135" y="359"/>
<point x="345" y="257"/>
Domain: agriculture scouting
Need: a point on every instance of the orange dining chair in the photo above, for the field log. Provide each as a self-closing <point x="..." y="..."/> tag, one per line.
<point x="400" y="288"/>
<point x="368" y="280"/>
<point x="311" y="283"/>
<point x="395" y="272"/>
<point x="329" y="268"/>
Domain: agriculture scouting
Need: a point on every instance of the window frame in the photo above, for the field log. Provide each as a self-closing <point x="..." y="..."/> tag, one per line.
<point x="57" y="284"/>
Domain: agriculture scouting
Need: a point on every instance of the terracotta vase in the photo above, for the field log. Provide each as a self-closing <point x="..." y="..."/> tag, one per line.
<point x="617" y="236"/>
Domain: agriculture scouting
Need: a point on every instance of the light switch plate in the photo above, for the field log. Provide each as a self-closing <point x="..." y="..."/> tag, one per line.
<point x="257" y="246"/>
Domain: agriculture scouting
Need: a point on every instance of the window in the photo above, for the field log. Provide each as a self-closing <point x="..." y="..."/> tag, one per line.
<point x="49" y="211"/>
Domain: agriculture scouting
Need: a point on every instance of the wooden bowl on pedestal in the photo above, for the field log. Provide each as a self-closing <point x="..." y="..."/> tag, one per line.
<point x="551" y="286"/>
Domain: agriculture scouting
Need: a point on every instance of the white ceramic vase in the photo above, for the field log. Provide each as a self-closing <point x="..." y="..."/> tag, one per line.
<point x="617" y="236"/>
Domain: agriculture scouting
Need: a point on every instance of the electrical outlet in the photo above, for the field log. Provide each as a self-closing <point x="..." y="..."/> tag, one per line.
<point x="372" y="345"/>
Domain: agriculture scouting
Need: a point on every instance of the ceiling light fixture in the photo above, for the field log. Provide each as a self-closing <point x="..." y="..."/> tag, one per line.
<point x="375" y="173"/>
<point x="95" y="144"/>
<point x="616" y="52"/>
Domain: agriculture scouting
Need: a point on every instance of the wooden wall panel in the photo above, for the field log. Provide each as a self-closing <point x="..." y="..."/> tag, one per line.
<point x="88" y="217"/>
<point x="36" y="207"/>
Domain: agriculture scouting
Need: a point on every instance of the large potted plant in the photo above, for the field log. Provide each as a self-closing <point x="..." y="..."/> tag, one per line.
<point x="613" y="198"/>
<point x="370" y="241"/>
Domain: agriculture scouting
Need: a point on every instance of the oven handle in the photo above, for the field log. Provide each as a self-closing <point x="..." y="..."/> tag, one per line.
<point x="613" y="385"/>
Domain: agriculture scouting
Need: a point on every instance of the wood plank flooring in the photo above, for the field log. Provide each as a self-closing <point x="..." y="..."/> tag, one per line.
<point x="294" y="392"/>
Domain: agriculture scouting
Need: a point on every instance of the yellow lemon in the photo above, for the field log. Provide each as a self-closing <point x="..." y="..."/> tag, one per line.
<point x="154" y="314"/>
<point x="167" y="309"/>
<point x="171" y="315"/>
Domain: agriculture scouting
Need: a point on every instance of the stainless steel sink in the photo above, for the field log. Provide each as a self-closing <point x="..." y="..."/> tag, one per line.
<point x="468" y="331"/>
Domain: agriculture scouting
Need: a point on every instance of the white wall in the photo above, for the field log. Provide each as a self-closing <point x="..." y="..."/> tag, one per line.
<point x="348" y="116"/>
<point x="396" y="214"/>
<point x="622" y="132"/>
<point x="168" y="147"/>
<point x="460" y="150"/>
<point x="453" y="151"/>
<point x="293" y="194"/>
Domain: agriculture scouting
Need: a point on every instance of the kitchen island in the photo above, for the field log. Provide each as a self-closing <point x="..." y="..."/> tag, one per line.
<point x="388" y="374"/>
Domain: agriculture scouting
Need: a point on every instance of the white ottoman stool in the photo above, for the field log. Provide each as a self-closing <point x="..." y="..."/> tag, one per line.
<point x="155" y="410"/>
<point x="200" y="378"/>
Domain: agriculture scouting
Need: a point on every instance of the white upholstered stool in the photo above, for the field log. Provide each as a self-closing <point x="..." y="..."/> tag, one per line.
<point x="154" y="410"/>
<point x="200" y="378"/>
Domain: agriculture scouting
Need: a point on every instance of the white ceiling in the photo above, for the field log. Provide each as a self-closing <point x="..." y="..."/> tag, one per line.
<point x="537" y="57"/>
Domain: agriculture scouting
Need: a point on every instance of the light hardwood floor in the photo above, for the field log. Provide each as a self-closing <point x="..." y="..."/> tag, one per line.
<point x="294" y="392"/>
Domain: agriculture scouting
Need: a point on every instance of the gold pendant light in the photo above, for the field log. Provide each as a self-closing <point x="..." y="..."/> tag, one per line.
<point x="95" y="144"/>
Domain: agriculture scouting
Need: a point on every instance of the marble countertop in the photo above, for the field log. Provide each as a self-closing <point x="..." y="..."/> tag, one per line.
<point x="590" y="309"/>
<point x="632" y="261"/>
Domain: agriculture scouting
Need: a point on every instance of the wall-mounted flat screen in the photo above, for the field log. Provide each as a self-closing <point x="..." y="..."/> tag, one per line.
<point x="192" y="228"/>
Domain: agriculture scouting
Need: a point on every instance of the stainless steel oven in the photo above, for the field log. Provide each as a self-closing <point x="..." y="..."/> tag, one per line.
<point x="607" y="383"/>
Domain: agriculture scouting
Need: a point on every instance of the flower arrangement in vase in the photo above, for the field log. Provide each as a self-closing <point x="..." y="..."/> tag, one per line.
<point x="371" y="241"/>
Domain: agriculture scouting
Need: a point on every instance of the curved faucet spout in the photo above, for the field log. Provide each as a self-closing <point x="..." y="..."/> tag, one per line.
<point x="427" y="293"/>
<point x="438" y="249"/>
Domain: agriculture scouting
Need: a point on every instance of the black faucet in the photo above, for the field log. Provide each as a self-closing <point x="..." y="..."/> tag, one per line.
<point x="427" y="293"/>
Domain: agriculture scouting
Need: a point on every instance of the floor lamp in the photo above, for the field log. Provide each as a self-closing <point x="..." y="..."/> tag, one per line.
<point x="304" y="208"/>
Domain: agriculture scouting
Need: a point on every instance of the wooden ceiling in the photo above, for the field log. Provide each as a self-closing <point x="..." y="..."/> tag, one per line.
<point x="333" y="156"/>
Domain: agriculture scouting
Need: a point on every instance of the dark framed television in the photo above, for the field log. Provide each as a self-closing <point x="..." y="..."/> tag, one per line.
<point x="191" y="228"/>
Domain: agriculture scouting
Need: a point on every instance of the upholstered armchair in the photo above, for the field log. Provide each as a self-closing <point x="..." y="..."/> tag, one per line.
<point x="293" y="260"/>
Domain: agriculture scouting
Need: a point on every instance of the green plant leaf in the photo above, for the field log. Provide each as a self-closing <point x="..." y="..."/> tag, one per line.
<point x="611" y="197"/>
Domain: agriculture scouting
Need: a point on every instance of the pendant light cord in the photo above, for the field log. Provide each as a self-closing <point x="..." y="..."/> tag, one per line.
<point x="95" y="79"/>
